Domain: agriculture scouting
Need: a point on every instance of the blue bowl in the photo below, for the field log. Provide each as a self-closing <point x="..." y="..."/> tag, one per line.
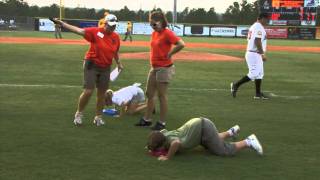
<point x="110" y="112"/>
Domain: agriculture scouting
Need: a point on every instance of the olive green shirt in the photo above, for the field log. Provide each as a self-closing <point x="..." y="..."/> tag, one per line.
<point x="189" y="134"/>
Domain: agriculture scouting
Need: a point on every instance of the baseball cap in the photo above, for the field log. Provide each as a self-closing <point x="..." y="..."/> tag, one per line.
<point x="111" y="20"/>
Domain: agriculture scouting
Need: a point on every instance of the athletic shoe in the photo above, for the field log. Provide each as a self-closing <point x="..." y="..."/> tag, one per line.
<point x="143" y="123"/>
<point x="235" y="131"/>
<point x="261" y="96"/>
<point x="255" y="144"/>
<point x="233" y="90"/>
<point x="98" y="121"/>
<point x="78" y="118"/>
<point x="158" y="126"/>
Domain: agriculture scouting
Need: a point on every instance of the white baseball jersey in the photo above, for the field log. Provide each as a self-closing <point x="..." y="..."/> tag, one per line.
<point x="125" y="94"/>
<point x="256" y="31"/>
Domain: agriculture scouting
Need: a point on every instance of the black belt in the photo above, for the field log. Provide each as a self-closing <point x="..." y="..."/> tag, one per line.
<point x="169" y="65"/>
<point x="254" y="52"/>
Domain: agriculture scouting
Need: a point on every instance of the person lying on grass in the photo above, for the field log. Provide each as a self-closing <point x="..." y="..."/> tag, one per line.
<point x="199" y="131"/>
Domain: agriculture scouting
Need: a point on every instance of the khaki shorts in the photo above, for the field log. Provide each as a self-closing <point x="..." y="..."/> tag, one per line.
<point x="94" y="76"/>
<point x="162" y="74"/>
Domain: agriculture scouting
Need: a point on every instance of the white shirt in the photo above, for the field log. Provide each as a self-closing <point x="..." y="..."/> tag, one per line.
<point x="124" y="95"/>
<point x="256" y="31"/>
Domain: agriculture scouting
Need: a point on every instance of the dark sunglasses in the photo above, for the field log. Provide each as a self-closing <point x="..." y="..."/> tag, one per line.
<point x="153" y="24"/>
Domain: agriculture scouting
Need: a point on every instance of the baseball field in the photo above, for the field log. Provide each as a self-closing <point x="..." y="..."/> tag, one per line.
<point x="41" y="79"/>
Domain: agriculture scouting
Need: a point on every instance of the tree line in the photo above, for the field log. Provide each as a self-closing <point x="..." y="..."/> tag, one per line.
<point x="242" y="13"/>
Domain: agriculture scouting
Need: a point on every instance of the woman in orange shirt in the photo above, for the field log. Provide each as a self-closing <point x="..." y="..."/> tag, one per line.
<point x="104" y="47"/>
<point x="162" y="68"/>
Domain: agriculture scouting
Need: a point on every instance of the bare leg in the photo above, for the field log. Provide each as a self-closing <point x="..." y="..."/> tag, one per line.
<point x="163" y="98"/>
<point x="240" y="145"/>
<point x="150" y="107"/>
<point x="84" y="99"/>
<point x="224" y="135"/>
<point x="100" y="101"/>
<point x="150" y="93"/>
<point x="134" y="108"/>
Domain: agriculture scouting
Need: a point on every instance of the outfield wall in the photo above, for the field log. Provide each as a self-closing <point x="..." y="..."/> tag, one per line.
<point x="143" y="28"/>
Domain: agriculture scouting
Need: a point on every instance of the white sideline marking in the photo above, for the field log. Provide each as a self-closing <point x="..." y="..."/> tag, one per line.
<point x="39" y="85"/>
<point x="181" y="89"/>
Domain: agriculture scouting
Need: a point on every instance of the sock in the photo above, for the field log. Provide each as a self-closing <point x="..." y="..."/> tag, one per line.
<point x="248" y="142"/>
<point x="243" y="80"/>
<point x="98" y="117"/>
<point x="162" y="122"/>
<point x="258" y="86"/>
<point x="148" y="120"/>
<point x="78" y="113"/>
<point x="230" y="132"/>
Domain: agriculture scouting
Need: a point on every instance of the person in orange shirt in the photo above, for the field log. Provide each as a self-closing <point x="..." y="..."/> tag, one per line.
<point x="104" y="47"/>
<point x="164" y="44"/>
<point x="101" y="22"/>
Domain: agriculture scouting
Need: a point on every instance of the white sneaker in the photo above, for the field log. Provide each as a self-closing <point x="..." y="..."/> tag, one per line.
<point x="255" y="144"/>
<point x="78" y="118"/>
<point x="234" y="131"/>
<point x="98" y="121"/>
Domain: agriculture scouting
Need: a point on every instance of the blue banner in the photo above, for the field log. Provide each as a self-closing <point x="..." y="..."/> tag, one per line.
<point x="85" y="24"/>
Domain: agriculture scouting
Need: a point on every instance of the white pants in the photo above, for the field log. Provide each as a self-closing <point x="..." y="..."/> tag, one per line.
<point x="255" y="65"/>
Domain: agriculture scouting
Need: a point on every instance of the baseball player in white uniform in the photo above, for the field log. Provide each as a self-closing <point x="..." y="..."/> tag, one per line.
<point x="255" y="56"/>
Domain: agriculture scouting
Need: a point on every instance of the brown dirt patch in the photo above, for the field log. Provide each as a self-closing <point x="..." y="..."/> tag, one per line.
<point x="184" y="56"/>
<point x="25" y="40"/>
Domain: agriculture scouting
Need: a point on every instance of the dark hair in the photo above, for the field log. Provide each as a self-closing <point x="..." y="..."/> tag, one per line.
<point x="156" y="140"/>
<point x="263" y="15"/>
<point x="159" y="16"/>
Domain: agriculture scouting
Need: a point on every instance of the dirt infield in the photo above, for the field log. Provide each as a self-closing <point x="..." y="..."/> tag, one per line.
<point x="186" y="56"/>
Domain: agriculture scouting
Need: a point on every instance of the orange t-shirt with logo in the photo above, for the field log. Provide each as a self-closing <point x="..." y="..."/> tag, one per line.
<point x="161" y="44"/>
<point x="103" y="46"/>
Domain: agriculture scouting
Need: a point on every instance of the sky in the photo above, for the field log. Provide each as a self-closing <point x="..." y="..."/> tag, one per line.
<point x="166" y="5"/>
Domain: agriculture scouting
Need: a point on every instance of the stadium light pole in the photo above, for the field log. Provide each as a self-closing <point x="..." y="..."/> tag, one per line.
<point x="174" y="14"/>
<point x="61" y="6"/>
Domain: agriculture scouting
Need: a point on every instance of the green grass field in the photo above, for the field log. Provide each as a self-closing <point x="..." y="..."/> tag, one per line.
<point x="40" y="84"/>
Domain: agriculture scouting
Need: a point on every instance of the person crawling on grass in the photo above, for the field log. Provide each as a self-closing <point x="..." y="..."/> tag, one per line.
<point x="199" y="131"/>
<point x="129" y="99"/>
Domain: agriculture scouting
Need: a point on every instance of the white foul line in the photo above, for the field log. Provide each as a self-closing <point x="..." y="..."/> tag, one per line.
<point x="180" y="89"/>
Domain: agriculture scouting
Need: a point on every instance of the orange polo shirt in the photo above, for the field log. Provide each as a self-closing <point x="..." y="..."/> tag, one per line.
<point x="161" y="44"/>
<point x="103" y="46"/>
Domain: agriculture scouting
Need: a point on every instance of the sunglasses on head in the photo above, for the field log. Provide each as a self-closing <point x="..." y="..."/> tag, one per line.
<point x="113" y="20"/>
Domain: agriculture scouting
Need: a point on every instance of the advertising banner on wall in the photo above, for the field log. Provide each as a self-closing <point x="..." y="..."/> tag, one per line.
<point x="242" y="31"/>
<point x="86" y="24"/>
<point x="46" y="25"/>
<point x="311" y="3"/>
<point x="308" y="23"/>
<point x="276" y="33"/>
<point x="278" y="22"/>
<point x="301" y="33"/>
<point x="224" y="31"/>
<point x="177" y="29"/>
<point x="196" y="30"/>
<point x="318" y="33"/>
<point x="145" y="28"/>
<point x="142" y="28"/>
<point x="121" y="27"/>
<point x="307" y="33"/>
